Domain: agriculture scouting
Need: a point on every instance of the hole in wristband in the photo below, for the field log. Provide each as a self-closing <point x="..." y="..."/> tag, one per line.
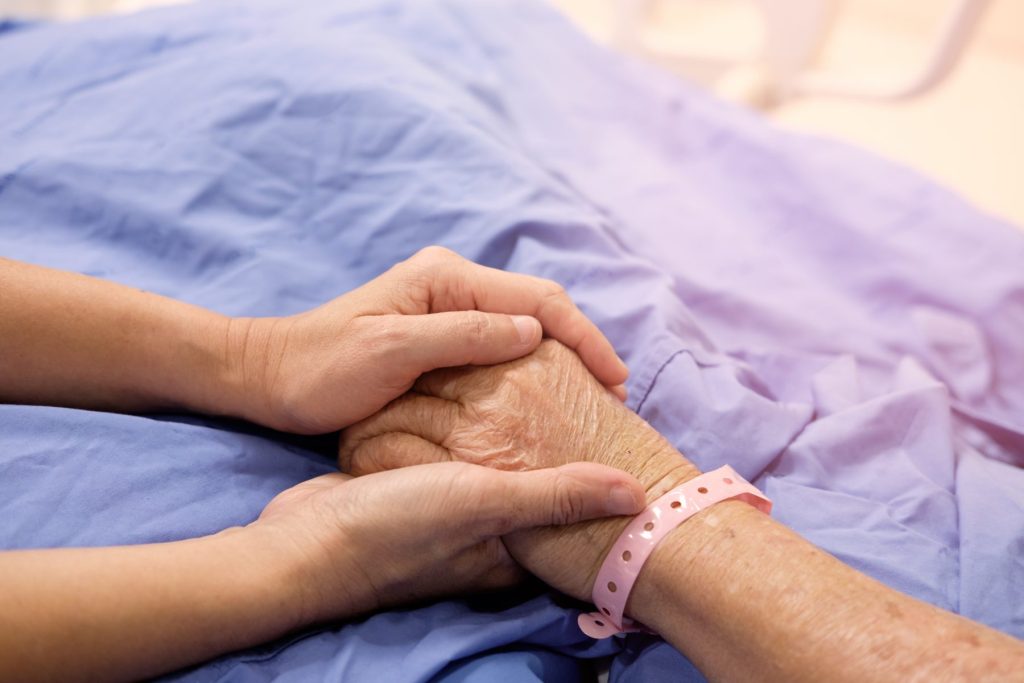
<point x="612" y="587"/>
<point x="605" y="610"/>
<point x="676" y="505"/>
<point x="702" y="489"/>
<point x="648" y="526"/>
<point x="727" y="480"/>
<point x="626" y="556"/>
<point x="598" y="622"/>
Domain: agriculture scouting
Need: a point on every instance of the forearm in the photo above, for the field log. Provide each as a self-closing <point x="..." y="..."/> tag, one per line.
<point x="72" y="340"/>
<point x="747" y="599"/>
<point x="743" y="596"/>
<point x="125" y="613"/>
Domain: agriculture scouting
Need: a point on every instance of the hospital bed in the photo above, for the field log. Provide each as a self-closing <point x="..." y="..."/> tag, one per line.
<point x="842" y="331"/>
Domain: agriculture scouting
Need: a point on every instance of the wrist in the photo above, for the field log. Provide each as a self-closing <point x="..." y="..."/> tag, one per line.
<point x="640" y="450"/>
<point x="175" y="357"/>
<point x="186" y="354"/>
<point x="202" y="385"/>
<point x="657" y="465"/>
<point x="688" y="564"/>
<point x="266" y="574"/>
<point x="249" y="375"/>
<point x="319" y="578"/>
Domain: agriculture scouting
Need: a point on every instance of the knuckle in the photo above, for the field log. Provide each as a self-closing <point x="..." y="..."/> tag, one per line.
<point x="552" y="288"/>
<point x="351" y="445"/>
<point x="569" y="502"/>
<point x="345" y="452"/>
<point x="555" y="357"/>
<point x="476" y="326"/>
<point x="552" y="348"/>
<point x="365" y="447"/>
<point x="349" y="454"/>
<point x="505" y="511"/>
<point x="382" y="334"/>
<point x="423" y="266"/>
<point x="360" y="328"/>
<point x="372" y="456"/>
<point x="499" y="525"/>
<point x="554" y="293"/>
<point x="435" y="254"/>
<point x="493" y="436"/>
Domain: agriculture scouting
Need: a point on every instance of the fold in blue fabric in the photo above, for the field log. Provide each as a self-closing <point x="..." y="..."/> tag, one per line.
<point x="840" y="330"/>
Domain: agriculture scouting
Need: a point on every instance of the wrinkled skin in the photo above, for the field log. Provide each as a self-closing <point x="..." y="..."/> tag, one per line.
<point x="542" y="410"/>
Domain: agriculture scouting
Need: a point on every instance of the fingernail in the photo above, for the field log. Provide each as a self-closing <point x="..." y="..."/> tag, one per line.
<point x="526" y="326"/>
<point x="622" y="501"/>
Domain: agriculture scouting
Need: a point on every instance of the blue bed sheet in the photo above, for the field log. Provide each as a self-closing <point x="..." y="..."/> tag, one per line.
<point x="842" y="331"/>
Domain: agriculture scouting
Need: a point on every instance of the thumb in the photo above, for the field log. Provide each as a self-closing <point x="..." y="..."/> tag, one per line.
<point x="454" y="338"/>
<point x="565" y="495"/>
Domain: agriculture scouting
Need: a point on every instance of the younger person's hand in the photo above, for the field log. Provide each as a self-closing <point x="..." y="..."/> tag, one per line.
<point x="358" y="545"/>
<point x="322" y="370"/>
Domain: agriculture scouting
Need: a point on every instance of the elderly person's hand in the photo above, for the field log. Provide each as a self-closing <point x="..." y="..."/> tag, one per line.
<point x="329" y="367"/>
<point x="543" y="410"/>
<point x="741" y="595"/>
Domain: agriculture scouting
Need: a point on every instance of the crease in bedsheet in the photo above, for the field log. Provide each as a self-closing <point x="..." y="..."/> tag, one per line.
<point x="738" y="270"/>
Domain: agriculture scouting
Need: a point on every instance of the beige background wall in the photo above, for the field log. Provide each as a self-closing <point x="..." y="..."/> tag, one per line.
<point x="968" y="133"/>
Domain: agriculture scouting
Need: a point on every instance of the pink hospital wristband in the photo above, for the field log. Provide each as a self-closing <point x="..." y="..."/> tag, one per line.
<point x="618" y="573"/>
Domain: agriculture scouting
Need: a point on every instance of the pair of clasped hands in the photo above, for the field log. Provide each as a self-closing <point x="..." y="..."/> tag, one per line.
<point x="472" y="451"/>
<point x="471" y="445"/>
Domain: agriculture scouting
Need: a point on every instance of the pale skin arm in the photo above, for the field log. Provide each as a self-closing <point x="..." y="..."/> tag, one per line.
<point x="740" y="594"/>
<point x="77" y="341"/>
<point x="129" y="612"/>
<point x="327" y="549"/>
<point x="125" y="613"/>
